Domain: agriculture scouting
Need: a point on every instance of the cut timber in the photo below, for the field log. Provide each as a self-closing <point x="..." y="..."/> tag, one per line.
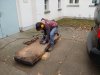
<point x="32" y="53"/>
<point x="31" y="41"/>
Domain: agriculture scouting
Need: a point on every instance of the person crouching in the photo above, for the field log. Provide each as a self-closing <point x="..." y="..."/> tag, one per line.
<point x="50" y="28"/>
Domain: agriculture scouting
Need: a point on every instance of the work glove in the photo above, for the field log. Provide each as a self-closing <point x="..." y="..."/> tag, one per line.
<point x="43" y="42"/>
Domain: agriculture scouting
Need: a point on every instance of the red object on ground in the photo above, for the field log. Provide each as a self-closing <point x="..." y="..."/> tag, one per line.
<point x="98" y="33"/>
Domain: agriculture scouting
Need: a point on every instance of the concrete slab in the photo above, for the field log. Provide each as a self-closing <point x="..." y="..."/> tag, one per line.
<point x="69" y="56"/>
<point x="9" y="70"/>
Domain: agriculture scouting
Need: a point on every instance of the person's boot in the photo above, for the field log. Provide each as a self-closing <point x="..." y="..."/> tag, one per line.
<point x="51" y="48"/>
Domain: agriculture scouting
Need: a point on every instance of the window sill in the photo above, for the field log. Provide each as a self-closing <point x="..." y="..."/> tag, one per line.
<point x="47" y="12"/>
<point x="91" y="5"/>
<point x="59" y="9"/>
<point x="72" y="5"/>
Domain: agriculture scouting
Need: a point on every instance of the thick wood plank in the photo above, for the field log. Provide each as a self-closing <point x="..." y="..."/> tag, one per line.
<point x="32" y="53"/>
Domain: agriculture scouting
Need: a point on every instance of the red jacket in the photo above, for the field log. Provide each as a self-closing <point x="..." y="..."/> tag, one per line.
<point x="49" y="25"/>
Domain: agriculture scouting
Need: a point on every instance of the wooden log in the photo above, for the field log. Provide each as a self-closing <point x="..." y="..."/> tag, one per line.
<point x="32" y="53"/>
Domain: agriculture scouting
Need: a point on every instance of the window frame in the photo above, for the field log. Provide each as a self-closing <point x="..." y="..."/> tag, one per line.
<point x="74" y="4"/>
<point x="92" y="4"/>
<point x="70" y="1"/>
<point x="46" y="7"/>
<point x="59" y="4"/>
<point x="76" y="1"/>
<point x="73" y="1"/>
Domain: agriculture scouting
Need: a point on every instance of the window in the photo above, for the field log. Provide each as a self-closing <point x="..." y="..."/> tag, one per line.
<point x="70" y="1"/>
<point x="46" y="2"/>
<point x="73" y="1"/>
<point x="59" y="4"/>
<point x="98" y="1"/>
<point x="95" y="1"/>
<point x="46" y="6"/>
<point x="76" y="1"/>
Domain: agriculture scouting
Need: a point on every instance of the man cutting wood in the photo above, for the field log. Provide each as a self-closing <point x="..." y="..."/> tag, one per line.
<point x="50" y="28"/>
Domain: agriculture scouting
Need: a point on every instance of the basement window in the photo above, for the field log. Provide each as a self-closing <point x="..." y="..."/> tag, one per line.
<point x="46" y="6"/>
<point x="70" y="1"/>
<point x="59" y="5"/>
<point x="93" y="2"/>
<point x="76" y="1"/>
<point x="73" y="3"/>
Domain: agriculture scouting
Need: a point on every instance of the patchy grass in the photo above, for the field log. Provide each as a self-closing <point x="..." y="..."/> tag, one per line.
<point x="83" y="23"/>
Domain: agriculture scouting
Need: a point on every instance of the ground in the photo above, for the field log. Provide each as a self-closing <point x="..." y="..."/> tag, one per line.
<point x="83" y="23"/>
<point x="69" y="56"/>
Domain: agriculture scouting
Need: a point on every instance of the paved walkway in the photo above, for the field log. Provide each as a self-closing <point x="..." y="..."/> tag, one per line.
<point x="69" y="56"/>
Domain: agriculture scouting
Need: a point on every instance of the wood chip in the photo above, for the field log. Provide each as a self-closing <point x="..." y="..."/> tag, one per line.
<point x="60" y="62"/>
<point x="59" y="73"/>
<point x="46" y="56"/>
<point x="39" y="73"/>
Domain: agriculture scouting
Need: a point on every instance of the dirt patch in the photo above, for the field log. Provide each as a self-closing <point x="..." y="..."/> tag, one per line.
<point x="83" y="23"/>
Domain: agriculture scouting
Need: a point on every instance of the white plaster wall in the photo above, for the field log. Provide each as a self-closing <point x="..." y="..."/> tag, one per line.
<point x="32" y="11"/>
<point x="39" y="9"/>
<point x="83" y="11"/>
<point x="25" y="12"/>
<point x="53" y="7"/>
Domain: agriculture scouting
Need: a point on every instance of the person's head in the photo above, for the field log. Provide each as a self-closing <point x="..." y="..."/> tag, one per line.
<point x="39" y="26"/>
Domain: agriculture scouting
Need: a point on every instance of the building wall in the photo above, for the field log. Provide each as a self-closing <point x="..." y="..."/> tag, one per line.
<point x="39" y="9"/>
<point x="32" y="11"/>
<point x="8" y="18"/>
<point x="26" y="10"/>
<point x="53" y="8"/>
<point x="85" y="9"/>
